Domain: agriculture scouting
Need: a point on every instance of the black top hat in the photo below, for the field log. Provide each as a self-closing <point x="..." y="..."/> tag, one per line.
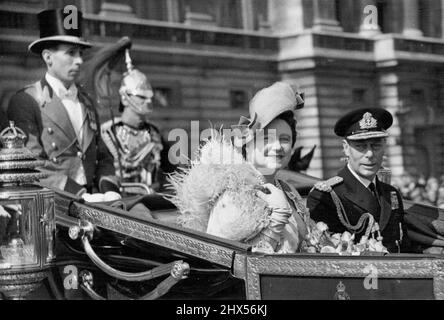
<point x="59" y="26"/>
<point x="365" y="123"/>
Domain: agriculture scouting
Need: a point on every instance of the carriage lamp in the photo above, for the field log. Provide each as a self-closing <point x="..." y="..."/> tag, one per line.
<point x="27" y="221"/>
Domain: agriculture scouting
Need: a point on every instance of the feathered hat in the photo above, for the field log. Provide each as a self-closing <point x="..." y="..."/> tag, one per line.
<point x="217" y="193"/>
<point x="267" y="105"/>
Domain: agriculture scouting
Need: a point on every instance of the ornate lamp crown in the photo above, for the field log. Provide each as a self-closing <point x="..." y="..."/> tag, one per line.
<point x="12" y="137"/>
<point x="340" y="287"/>
<point x="368" y="122"/>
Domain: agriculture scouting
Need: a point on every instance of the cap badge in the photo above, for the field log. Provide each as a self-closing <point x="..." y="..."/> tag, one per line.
<point x="368" y="122"/>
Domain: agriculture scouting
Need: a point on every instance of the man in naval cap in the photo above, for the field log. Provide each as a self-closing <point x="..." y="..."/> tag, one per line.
<point x="356" y="197"/>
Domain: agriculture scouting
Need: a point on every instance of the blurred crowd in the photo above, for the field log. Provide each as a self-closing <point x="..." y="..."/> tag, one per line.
<point x="419" y="189"/>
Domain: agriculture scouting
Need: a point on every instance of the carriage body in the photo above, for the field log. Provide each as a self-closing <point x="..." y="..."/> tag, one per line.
<point x="223" y="269"/>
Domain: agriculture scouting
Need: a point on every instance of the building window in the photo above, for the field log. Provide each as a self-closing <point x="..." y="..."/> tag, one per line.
<point x="229" y="14"/>
<point x="358" y="95"/>
<point x="238" y="99"/>
<point x="260" y="12"/>
<point x="381" y="5"/>
<point x="163" y="97"/>
<point x="338" y="11"/>
<point x="417" y="96"/>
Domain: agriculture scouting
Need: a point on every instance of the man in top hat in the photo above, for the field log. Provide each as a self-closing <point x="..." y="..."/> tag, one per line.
<point x="344" y="202"/>
<point x="58" y="117"/>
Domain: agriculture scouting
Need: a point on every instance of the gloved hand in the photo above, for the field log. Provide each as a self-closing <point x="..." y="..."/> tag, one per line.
<point x="281" y="210"/>
<point x="276" y="197"/>
<point x="4" y="213"/>
<point x="8" y="209"/>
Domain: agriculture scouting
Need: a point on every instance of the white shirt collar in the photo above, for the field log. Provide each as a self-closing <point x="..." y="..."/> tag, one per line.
<point x="365" y="182"/>
<point x="59" y="88"/>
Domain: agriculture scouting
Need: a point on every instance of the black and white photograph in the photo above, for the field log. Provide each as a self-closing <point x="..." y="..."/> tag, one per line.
<point x="214" y="153"/>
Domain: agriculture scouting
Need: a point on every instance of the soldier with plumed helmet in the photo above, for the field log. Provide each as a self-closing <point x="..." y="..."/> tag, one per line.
<point x="134" y="141"/>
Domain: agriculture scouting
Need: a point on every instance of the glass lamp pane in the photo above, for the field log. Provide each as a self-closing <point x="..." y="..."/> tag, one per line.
<point x="49" y="228"/>
<point x="17" y="239"/>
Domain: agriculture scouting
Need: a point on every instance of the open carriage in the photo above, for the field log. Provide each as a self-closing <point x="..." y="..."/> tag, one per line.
<point x="82" y="250"/>
<point x="106" y="252"/>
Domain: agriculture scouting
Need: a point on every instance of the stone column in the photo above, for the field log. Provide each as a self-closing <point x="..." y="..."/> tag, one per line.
<point x="247" y="15"/>
<point x="369" y="25"/>
<point x="172" y="7"/>
<point x="324" y="16"/>
<point x="442" y="20"/>
<point x="286" y="16"/>
<point x="411" y="19"/>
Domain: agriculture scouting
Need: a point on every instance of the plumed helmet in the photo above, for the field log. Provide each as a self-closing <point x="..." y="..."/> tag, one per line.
<point x="135" y="83"/>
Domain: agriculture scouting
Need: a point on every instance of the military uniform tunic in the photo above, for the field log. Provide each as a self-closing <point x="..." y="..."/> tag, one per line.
<point x="356" y="199"/>
<point x="136" y="151"/>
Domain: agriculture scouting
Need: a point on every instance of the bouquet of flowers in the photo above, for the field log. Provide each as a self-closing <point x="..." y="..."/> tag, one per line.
<point x="320" y="240"/>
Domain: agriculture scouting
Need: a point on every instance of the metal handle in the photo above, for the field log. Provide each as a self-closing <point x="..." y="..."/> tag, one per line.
<point x="85" y="233"/>
<point x="79" y="231"/>
<point x="179" y="271"/>
<point x="128" y="186"/>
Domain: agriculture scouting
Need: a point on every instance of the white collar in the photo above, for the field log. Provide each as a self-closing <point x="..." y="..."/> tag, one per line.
<point x="58" y="87"/>
<point x="365" y="182"/>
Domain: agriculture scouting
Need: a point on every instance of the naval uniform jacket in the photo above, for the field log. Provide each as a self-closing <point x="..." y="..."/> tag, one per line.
<point x="3" y="120"/>
<point x="40" y="113"/>
<point x="356" y="200"/>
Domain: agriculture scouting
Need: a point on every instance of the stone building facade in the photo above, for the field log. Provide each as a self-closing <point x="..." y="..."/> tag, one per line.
<point x="207" y="58"/>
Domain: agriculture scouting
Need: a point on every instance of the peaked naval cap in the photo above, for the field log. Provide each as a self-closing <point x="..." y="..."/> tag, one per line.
<point x="364" y="123"/>
<point x="53" y="29"/>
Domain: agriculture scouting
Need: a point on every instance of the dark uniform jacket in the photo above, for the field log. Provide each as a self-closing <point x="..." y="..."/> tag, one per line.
<point x="356" y="200"/>
<point x="41" y="114"/>
<point x="3" y="120"/>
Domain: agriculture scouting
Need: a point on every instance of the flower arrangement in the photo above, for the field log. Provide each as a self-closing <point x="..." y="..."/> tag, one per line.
<point x="320" y="240"/>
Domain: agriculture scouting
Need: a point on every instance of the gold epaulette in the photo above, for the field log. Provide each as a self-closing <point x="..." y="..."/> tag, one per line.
<point x="327" y="185"/>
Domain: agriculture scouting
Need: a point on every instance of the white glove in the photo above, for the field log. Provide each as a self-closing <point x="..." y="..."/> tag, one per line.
<point x="4" y="213"/>
<point x="281" y="210"/>
<point x="275" y="199"/>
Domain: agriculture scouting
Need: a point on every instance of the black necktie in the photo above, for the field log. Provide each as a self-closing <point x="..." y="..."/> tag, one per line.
<point x="372" y="188"/>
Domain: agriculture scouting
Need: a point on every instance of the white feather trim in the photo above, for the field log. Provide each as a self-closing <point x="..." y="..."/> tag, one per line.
<point x="219" y="183"/>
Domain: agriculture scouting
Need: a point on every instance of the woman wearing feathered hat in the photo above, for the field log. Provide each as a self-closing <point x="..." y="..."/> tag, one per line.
<point x="57" y="115"/>
<point x="231" y="190"/>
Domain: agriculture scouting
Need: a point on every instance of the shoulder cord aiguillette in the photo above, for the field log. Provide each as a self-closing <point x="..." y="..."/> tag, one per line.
<point x="359" y="227"/>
